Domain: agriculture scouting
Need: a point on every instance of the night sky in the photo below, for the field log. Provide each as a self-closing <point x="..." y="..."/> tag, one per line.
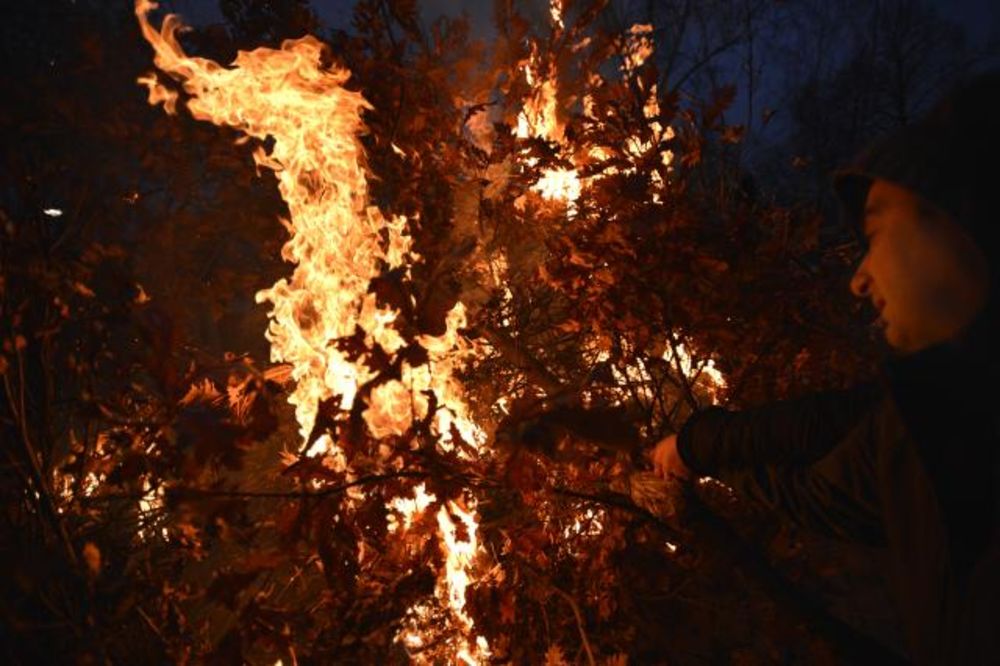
<point x="979" y="17"/>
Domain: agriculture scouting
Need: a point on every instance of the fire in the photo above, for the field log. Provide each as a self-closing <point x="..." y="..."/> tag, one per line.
<point x="314" y="123"/>
<point x="459" y="556"/>
<point x="559" y="185"/>
<point x="704" y="375"/>
<point x="698" y="369"/>
<point x="338" y="243"/>
<point x="556" y="14"/>
<point x="409" y="509"/>
<point x="539" y="116"/>
<point x="638" y="47"/>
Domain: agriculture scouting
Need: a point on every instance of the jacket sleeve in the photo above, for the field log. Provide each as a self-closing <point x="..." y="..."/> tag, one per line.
<point x="818" y="470"/>
<point x="790" y="432"/>
<point x="836" y="496"/>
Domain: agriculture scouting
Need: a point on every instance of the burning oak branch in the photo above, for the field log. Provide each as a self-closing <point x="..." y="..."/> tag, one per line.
<point x="440" y="461"/>
<point x="353" y="360"/>
<point x="338" y="244"/>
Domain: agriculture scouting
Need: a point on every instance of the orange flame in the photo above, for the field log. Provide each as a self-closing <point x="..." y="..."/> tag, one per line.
<point x="539" y="116"/>
<point x="704" y="375"/>
<point x="459" y="559"/>
<point x="556" y="14"/>
<point x="338" y="244"/>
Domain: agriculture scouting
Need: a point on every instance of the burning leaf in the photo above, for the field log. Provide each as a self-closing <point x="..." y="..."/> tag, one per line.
<point x="83" y="290"/>
<point x="524" y="472"/>
<point x="435" y="305"/>
<point x="555" y="656"/>
<point x="338" y="551"/>
<point x="92" y="558"/>
<point x="733" y="133"/>
<point x="202" y="392"/>
<point x="508" y="612"/>
<point x="205" y="435"/>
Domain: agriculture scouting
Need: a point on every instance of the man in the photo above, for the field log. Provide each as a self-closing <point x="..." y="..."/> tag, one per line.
<point x="909" y="463"/>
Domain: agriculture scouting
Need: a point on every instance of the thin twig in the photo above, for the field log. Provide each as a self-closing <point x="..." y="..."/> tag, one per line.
<point x="579" y="622"/>
<point x="151" y="625"/>
<point x="688" y="391"/>
<point x="708" y="57"/>
<point x="520" y="357"/>
<point x="44" y="495"/>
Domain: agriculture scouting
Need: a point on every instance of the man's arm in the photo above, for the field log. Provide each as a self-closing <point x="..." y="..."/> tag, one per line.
<point x="836" y="495"/>
<point x="790" y="432"/>
<point x="812" y="460"/>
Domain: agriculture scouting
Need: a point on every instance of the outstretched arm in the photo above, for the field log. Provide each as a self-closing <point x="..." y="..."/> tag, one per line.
<point x="790" y="432"/>
<point x="811" y="459"/>
<point x="836" y="495"/>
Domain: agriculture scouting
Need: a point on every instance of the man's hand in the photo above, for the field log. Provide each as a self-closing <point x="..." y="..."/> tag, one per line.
<point x="667" y="463"/>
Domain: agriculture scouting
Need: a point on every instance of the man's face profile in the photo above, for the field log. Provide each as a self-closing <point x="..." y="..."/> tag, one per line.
<point x="924" y="275"/>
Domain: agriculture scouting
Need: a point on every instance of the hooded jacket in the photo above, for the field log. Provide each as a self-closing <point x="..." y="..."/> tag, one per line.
<point x="909" y="463"/>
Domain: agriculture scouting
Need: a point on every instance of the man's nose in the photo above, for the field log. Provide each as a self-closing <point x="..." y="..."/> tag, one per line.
<point x="861" y="282"/>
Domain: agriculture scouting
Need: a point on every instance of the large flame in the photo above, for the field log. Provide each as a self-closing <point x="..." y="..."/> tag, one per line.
<point x="314" y="122"/>
<point x="338" y="244"/>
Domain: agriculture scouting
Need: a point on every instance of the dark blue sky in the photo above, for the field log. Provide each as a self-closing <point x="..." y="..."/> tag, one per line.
<point x="980" y="18"/>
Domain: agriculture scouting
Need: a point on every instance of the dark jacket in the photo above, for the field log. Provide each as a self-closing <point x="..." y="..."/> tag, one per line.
<point x="909" y="464"/>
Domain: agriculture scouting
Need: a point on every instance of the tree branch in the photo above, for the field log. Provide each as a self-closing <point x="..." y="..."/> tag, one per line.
<point x="42" y="492"/>
<point x="519" y="356"/>
<point x="183" y="493"/>
<point x="579" y="622"/>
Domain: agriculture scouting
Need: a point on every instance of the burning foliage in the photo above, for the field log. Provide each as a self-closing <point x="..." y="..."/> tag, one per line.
<point x="505" y="273"/>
